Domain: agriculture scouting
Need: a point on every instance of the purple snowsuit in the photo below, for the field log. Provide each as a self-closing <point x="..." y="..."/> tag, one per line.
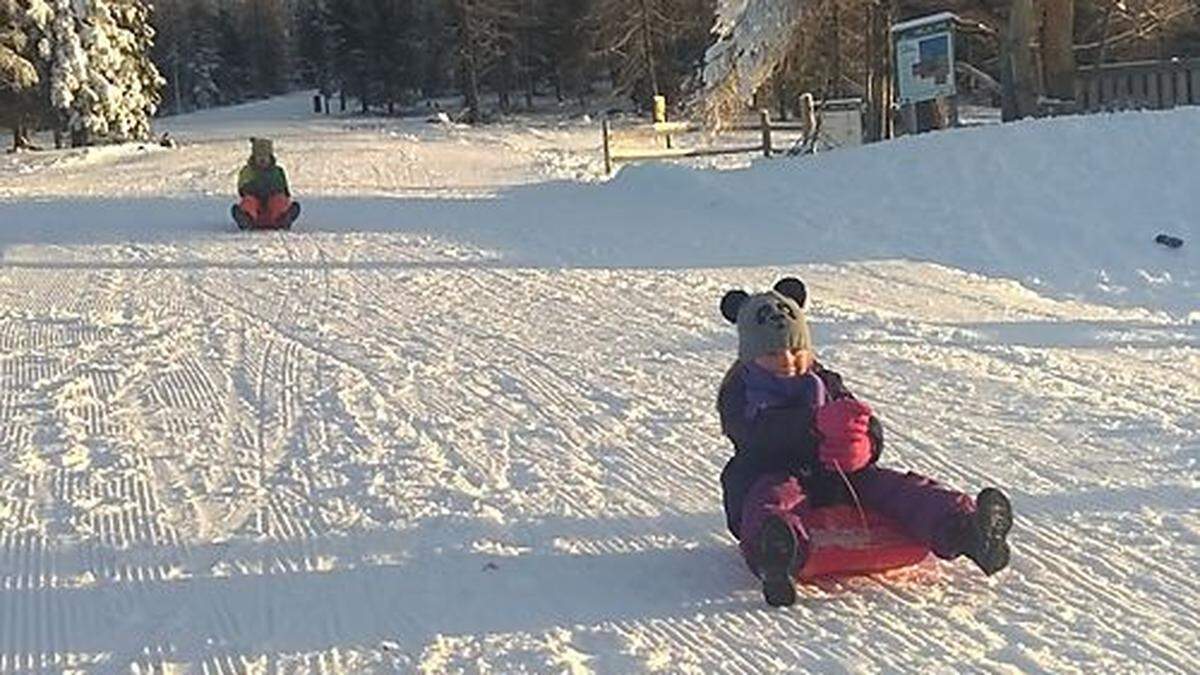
<point x="775" y="469"/>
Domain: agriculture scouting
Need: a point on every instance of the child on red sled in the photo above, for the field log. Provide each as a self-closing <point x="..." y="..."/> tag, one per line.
<point x="262" y="184"/>
<point x="800" y="438"/>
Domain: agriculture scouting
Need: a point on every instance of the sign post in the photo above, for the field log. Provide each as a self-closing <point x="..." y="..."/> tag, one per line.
<point x="924" y="49"/>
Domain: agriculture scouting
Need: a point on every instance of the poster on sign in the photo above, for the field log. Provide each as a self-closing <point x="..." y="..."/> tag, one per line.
<point x="924" y="58"/>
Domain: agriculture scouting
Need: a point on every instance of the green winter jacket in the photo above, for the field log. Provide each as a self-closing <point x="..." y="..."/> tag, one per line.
<point x="269" y="181"/>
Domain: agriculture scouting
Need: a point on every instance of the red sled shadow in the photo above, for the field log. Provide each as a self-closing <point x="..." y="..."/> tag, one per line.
<point x="840" y="545"/>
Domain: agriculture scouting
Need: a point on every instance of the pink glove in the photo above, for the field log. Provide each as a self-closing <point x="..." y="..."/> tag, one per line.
<point x="844" y="442"/>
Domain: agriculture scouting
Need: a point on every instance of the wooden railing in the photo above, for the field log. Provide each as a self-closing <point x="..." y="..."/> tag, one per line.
<point x="662" y="140"/>
<point x="1138" y="84"/>
<point x="822" y="126"/>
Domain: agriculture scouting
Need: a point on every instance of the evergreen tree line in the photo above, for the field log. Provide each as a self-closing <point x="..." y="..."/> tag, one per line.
<point x="99" y="69"/>
<point x="384" y="55"/>
<point x="220" y="52"/>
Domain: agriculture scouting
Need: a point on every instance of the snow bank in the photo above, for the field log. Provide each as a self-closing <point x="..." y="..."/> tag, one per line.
<point x="1067" y="206"/>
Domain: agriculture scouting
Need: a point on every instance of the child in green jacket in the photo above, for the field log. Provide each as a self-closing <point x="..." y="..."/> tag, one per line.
<point x="262" y="184"/>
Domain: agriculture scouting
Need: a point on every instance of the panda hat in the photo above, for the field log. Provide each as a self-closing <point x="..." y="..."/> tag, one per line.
<point x="771" y="321"/>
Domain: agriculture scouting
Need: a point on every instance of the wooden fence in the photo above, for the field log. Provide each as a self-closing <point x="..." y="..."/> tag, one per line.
<point x="660" y="140"/>
<point x="1138" y="84"/>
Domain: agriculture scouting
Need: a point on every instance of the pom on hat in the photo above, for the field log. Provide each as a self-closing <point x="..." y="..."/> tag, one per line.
<point x="732" y="303"/>
<point x="793" y="288"/>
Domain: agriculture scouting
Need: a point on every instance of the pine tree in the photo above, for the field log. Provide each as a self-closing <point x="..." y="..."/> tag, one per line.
<point x="483" y="35"/>
<point x="265" y="29"/>
<point x="387" y="28"/>
<point x="346" y="20"/>
<point x="314" y="48"/>
<point x="433" y="42"/>
<point x="569" y="43"/>
<point x="205" y="61"/>
<point x="69" y="81"/>
<point x="654" y="45"/>
<point x="231" y="76"/>
<point x="18" y="73"/>
<point x="124" y="83"/>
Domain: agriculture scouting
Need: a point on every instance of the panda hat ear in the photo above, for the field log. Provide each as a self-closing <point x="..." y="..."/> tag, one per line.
<point x="793" y="288"/>
<point x="732" y="303"/>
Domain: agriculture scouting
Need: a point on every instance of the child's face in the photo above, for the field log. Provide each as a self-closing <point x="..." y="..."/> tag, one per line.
<point x="261" y="161"/>
<point x="785" y="363"/>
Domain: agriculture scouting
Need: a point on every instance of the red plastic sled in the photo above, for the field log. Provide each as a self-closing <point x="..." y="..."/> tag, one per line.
<point x="840" y="546"/>
<point x="289" y="211"/>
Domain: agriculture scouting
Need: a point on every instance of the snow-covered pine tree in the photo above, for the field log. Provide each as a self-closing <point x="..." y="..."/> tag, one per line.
<point x="18" y="73"/>
<point x="117" y="37"/>
<point x="205" y="60"/>
<point x="185" y="52"/>
<point x="100" y="79"/>
<point x="752" y="37"/>
<point x="69" y="85"/>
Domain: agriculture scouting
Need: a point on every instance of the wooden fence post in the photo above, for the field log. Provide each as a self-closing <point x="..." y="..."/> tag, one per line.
<point x="765" y="115"/>
<point x="808" y="116"/>
<point x="607" y="149"/>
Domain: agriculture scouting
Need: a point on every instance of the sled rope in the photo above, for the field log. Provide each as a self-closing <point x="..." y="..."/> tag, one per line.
<point x="862" y="515"/>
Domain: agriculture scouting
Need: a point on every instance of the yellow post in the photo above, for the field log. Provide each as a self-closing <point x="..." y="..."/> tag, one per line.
<point x="660" y="114"/>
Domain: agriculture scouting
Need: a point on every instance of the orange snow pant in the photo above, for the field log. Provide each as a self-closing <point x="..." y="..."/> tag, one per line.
<point x="277" y="205"/>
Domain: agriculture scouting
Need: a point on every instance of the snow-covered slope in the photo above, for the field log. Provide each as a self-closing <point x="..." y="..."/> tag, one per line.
<point x="462" y="419"/>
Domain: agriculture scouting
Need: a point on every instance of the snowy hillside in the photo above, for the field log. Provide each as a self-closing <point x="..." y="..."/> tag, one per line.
<point x="462" y="419"/>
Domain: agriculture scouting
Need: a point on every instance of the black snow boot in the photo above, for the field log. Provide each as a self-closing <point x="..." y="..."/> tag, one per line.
<point x="289" y="216"/>
<point x="240" y="217"/>
<point x="776" y="559"/>
<point x="986" y="531"/>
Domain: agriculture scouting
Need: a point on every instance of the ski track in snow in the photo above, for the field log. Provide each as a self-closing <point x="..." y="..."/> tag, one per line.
<point x="392" y="451"/>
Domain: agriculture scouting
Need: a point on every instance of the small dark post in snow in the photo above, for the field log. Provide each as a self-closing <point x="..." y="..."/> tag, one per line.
<point x="765" y="115"/>
<point x="607" y="149"/>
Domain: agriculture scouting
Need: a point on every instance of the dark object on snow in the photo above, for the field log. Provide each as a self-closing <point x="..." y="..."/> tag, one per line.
<point x="166" y="141"/>
<point x="987" y="530"/>
<point x="777" y="550"/>
<point x="1169" y="241"/>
